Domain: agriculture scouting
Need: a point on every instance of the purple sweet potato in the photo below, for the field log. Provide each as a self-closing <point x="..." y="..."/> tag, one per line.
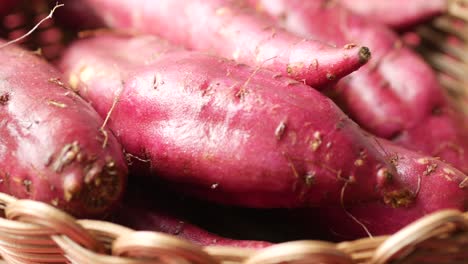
<point x="397" y="13"/>
<point x="230" y="133"/>
<point x="233" y="30"/>
<point x="76" y="15"/>
<point x="52" y="147"/>
<point x="5" y="7"/>
<point x="434" y="184"/>
<point x="395" y="96"/>
<point x="156" y="213"/>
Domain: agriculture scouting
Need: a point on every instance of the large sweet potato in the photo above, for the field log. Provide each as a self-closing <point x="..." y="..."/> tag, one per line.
<point x="229" y="132"/>
<point x="395" y="96"/>
<point x="52" y="147"/>
<point x="233" y="30"/>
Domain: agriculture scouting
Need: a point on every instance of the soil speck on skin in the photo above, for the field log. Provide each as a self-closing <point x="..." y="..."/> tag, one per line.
<point x="57" y="81"/>
<point x="430" y="169"/>
<point x="358" y="162"/>
<point x="317" y="141"/>
<point x="27" y="185"/>
<point x="309" y="178"/>
<point x="54" y="202"/>
<point x="4" y="98"/>
<point x="279" y="131"/>
<point x="399" y="198"/>
<point x="331" y="76"/>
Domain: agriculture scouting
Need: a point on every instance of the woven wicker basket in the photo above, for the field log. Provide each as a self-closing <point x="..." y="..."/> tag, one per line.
<point x="34" y="232"/>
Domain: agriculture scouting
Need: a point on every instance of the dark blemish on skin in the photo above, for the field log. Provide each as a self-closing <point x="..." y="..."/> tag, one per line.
<point x="279" y="131"/>
<point x="331" y="76"/>
<point x="436" y="111"/>
<point x="4" y="98"/>
<point x="205" y="88"/>
<point x="394" y="159"/>
<point x="340" y="124"/>
<point x="399" y="198"/>
<point x="157" y="81"/>
<point x="364" y="55"/>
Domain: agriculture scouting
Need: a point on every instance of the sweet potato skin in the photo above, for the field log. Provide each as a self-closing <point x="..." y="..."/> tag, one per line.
<point x="434" y="184"/>
<point x="145" y="210"/>
<point x="395" y="96"/>
<point x="233" y="30"/>
<point x="51" y="147"/>
<point x="231" y="133"/>
<point x="397" y="13"/>
<point x="6" y="6"/>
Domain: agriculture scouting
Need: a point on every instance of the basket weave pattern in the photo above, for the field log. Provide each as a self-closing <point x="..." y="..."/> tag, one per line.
<point x="35" y="232"/>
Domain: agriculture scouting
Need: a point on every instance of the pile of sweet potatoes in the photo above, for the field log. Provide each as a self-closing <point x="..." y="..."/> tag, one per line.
<point x="254" y="104"/>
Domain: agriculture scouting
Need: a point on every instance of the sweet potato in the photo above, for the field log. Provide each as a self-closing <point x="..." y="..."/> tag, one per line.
<point x="397" y="13"/>
<point x="395" y="96"/>
<point x="143" y="209"/>
<point x="434" y="184"/>
<point x="52" y="145"/>
<point x="5" y="7"/>
<point x="234" y="31"/>
<point x="231" y="133"/>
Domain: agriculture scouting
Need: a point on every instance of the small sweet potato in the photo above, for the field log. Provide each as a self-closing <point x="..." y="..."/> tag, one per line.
<point x="53" y="147"/>
<point x="226" y="131"/>
<point x="144" y="210"/>
<point x="397" y="13"/>
<point x="233" y="30"/>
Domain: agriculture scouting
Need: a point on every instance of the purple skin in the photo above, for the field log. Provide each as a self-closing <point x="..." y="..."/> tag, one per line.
<point x="149" y="216"/>
<point x="396" y="96"/>
<point x="232" y="134"/>
<point x="234" y="31"/>
<point x="7" y="6"/>
<point x="51" y="146"/>
<point x="434" y="184"/>
<point x="76" y="15"/>
<point x="397" y="13"/>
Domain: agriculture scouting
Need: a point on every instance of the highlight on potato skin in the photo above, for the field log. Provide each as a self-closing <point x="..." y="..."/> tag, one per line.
<point x="53" y="147"/>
